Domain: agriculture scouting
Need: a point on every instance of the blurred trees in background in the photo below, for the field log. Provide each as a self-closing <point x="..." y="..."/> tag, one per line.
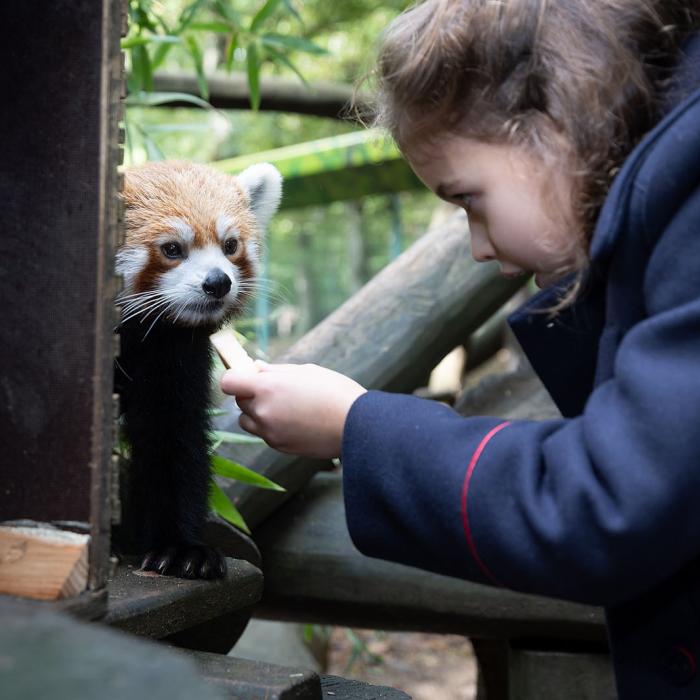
<point x="317" y="256"/>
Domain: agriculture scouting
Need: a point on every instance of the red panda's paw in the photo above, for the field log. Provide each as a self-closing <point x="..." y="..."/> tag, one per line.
<point x="186" y="561"/>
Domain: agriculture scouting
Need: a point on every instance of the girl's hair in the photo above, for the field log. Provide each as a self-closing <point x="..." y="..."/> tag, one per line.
<point x="529" y="72"/>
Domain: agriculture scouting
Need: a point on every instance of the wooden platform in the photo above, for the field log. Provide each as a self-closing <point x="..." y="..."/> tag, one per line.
<point x="313" y="573"/>
<point x="158" y="606"/>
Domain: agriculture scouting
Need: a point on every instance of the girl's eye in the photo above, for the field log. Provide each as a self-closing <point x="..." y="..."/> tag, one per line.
<point x="172" y="250"/>
<point x="230" y="246"/>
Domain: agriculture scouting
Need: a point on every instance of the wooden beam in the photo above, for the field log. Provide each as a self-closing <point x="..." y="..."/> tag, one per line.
<point x="349" y="166"/>
<point x="313" y="573"/>
<point x="318" y="98"/>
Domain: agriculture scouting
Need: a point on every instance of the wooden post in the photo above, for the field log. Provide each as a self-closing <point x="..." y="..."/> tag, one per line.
<point x="60" y="84"/>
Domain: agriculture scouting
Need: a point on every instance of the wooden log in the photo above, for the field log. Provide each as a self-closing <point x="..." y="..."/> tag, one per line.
<point x="319" y="98"/>
<point x="387" y="336"/>
<point x="313" y="573"/>
<point x="43" y="563"/>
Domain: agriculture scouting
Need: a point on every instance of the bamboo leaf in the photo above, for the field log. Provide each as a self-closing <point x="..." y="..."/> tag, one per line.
<point x="292" y="10"/>
<point x="154" y="99"/>
<point x="196" y="53"/>
<point x="265" y="11"/>
<point x="220" y="503"/>
<point x="231" y="470"/>
<point x="253" y="61"/>
<point x="130" y="42"/>
<point x="160" y="54"/>
<point x="178" y="128"/>
<point x="235" y="438"/>
<point x="141" y="19"/>
<point x="141" y="67"/>
<point x="279" y="57"/>
<point x="228" y="13"/>
<point x="188" y="14"/>
<point x="216" y="27"/>
<point x="231" y="51"/>
<point x="292" y="43"/>
<point x="152" y="149"/>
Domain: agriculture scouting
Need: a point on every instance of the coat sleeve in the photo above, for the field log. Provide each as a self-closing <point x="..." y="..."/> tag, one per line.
<point x="597" y="508"/>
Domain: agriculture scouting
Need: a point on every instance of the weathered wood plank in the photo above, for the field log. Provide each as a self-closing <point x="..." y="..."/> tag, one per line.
<point x="387" y="336"/>
<point x="253" y="680"/>
<point x="313" y="573"/>
<point x="335" y="688"/>
<point x="43" y="563"/>
<point x="46" y="655"/>
<point x="157" y="606"/>
<point x="534" y="675"/>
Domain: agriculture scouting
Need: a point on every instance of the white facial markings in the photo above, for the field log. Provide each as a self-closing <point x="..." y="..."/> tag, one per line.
<point x="253" y="251"/>
<point x="130" y="261"/>
<point x="183" y="230"/>
<point x="185" y="281"/>
<point x="225" y="227"/>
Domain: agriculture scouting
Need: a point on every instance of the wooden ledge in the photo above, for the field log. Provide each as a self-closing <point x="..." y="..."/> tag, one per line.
<point x="251" y="680"/>
<point x="313" y="573"/>
<point x="157" y="606"/>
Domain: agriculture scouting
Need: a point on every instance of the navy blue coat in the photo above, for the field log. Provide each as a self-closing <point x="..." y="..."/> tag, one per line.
<point x="602" y="506"/>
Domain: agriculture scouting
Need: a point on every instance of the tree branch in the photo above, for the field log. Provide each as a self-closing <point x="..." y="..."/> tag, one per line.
<point x="321" y="98"/>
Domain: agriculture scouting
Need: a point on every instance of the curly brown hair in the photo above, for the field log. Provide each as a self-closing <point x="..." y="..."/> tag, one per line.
<point x="530" y="72"/>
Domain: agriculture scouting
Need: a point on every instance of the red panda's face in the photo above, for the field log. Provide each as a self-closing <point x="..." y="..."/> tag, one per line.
<point x="192" y="243"/>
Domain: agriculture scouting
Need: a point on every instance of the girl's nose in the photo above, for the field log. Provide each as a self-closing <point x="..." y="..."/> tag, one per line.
<point x="482" y="250"/>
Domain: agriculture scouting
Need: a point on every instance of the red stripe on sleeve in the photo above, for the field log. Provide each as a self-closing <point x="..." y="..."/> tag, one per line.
<point x="465" y="490"/>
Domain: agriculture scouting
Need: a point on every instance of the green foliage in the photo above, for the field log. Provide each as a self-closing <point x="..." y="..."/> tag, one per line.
<point x="196" y="28"/>
<point x="219" y="502"/>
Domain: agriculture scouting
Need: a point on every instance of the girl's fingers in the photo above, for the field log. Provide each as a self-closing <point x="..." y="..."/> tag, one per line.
<point x="239" y="383"/>
<point x="268" y="367"/>
<point x="248" y="424"/>
<point x="244" y="403"/>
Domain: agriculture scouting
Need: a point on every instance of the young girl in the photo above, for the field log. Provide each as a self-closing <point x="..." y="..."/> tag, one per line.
<point x="569" y="130"/>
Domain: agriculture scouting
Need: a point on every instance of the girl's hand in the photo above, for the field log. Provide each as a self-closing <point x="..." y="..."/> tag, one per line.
<point x="300" y="409"/>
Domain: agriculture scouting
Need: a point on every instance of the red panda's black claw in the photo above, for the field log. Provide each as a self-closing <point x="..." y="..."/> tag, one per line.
<point x="191" y="561"/>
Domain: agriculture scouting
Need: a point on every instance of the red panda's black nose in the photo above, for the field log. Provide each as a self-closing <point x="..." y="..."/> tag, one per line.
<point x="217" y="283"/>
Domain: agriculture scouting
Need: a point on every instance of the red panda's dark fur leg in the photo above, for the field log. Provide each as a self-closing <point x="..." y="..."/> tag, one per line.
<point x="165" y="395"/>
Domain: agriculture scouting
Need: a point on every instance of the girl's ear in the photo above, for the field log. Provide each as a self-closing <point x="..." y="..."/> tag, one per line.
<point x="263" y="185"/>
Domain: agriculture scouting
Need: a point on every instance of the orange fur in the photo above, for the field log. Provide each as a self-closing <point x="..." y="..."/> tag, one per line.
<point x="196" y="194"/>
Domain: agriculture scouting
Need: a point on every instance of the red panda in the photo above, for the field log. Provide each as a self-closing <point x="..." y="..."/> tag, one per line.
<point x="189" y="263"/>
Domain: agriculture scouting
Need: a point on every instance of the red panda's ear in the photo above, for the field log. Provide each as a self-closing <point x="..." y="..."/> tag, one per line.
<point x="263" y="185"/>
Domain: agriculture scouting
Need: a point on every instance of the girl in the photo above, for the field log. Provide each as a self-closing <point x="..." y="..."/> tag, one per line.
<point x="569" y="130"/>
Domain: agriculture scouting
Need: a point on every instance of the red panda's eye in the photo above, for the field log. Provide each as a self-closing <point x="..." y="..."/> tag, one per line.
<point x="230" y="246"/>
<point x="172" y="250"/>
